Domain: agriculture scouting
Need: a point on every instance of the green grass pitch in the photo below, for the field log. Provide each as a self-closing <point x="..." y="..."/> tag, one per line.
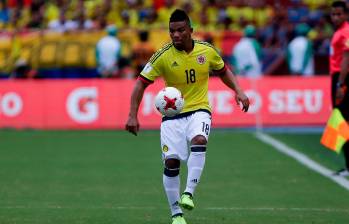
<point x="55" y="177"/>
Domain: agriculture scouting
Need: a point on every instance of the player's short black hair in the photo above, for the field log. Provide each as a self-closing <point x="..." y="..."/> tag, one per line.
<point x="340" y="4"/>
<point x="180" y="15"/>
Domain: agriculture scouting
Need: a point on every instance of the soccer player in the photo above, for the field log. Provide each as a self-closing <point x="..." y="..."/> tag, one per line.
<point x="185" y="64"/>
<point x="339" y="64"/>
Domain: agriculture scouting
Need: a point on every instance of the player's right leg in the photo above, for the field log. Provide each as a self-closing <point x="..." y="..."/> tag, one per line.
<point x="171" y="184"/>
<point x="172" y="188"/>
<point x="174" y="149"/>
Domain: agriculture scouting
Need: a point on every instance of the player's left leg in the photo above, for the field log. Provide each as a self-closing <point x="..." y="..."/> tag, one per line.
<point x="196" y="163"/>
<point x="198" y="133"/>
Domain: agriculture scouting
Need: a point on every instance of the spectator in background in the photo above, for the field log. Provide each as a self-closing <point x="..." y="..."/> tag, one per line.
<point x="22" y="70"/>
<point x="14" y="20"/>
<point x="224" y="21"/>
<point x="108" y="51"/>
<point x="297" y="12"/>
<point x="125" y="20"/>
<point x="246" y="54"/>
<point x="133" y="10"/>
<point x="204" y="23"/>
<point x="262" y="12"/>
<point x="61" y="24"/>
<point x="300" y="58"/>
<point x="37" y="17"/>
<point x="149" y="19"/>
<point x="165" y="12"/>
<point x="321" y="36"/>
<point x="80" y="22"/>
<point x="142" y="51"/>
<point x="275" y="33"/>
<point x="4" y="13"/>
<point x="52" y="10"/>
<point x="316" y="4"/>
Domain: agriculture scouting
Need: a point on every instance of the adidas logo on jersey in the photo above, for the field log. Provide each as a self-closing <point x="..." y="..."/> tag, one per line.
<point x="174" y="64"/>
<point x="194" y="180"/>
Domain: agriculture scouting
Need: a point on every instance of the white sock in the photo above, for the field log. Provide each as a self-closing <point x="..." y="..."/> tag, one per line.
<point x="196" y="163"/>
<point x="172" y="186"/>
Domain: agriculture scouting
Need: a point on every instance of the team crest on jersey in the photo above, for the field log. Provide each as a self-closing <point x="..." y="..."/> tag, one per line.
<point x="201" y="59"/>
<point x="165" y="148"/>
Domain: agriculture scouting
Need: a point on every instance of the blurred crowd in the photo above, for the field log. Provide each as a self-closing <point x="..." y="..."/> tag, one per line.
<point x="275" y="21"/>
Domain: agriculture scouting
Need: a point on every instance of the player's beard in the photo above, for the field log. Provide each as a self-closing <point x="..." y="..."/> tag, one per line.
<point x="179" y="45"/>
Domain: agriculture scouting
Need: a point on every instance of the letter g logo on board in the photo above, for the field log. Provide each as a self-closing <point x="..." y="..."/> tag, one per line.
<point x="82" y="105"/>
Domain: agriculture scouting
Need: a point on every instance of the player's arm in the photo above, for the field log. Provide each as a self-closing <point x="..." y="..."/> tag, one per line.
<point x="229" y="79"/>
<point x="132" y="124"/>
<point x="218" y="67"/>
<point x="341" y="87"/>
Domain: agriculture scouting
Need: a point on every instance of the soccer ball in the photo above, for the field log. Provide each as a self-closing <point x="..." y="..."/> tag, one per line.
<point x="169" y="101"/>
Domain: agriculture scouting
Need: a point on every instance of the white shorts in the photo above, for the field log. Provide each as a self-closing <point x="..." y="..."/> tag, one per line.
<point x="177" y="134"/>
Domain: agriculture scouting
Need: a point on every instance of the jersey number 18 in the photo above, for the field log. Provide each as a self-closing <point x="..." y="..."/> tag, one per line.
<point x="190" y="74"/>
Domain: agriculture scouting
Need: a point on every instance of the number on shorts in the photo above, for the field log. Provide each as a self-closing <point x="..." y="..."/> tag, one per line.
<point x="205" y="128"/>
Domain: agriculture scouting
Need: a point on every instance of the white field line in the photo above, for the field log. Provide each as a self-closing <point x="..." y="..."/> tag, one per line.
<point x="281" y="209"/>
<point x="303" y="159"/>
<point x="276" y="209"/>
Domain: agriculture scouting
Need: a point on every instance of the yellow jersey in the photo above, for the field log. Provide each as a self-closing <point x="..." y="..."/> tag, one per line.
<point x="188" y="72"/>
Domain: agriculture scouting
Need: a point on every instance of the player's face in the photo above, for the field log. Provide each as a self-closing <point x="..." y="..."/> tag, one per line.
<point x="180" y="33"/>
<point x="338" y="16"/>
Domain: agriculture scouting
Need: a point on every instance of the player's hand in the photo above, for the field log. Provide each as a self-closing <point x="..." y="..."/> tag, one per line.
<point x="132" y="125"/>
<point x="241" y="97"/>
<point x="340" y="93"/>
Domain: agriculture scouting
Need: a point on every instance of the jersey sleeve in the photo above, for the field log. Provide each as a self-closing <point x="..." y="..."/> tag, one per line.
<point x="152" y="69"/>
<point x="216" y="62"/>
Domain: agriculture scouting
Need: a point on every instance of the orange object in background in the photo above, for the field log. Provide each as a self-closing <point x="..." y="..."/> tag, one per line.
<point x="336" y="132"/>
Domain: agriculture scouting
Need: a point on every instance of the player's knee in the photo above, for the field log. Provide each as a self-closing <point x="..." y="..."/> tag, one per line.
<point x="199" y="140"/>
<point x="198" y="144"/>
<point x="172" y="163"/>
<point x="172" y="167"/>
